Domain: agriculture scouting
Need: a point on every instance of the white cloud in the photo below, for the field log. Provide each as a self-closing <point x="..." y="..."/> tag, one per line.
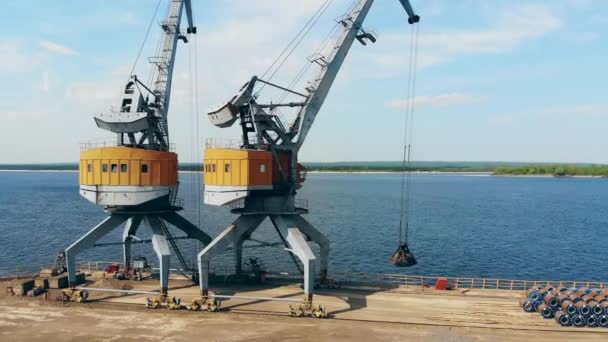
<point x="582" y="109"/>
<point x="512" y="28"/>
<point x="57" y="48"/>
<point x="445" y="100"/>
<point x="13" y="57"/>
<point x="46" y="82"/>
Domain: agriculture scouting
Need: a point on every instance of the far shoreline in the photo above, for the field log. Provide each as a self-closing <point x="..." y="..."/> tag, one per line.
<point x="460" y="173"/>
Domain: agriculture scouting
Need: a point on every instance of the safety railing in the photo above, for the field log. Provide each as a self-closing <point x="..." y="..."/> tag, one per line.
<point x="228" y="142"/>
<point x="300" y="203"/>
<point x="223" y="143"/>
<point x="91" y="266"/>
<point x="458" y="283"/>
<point x="354" y="278"/>
<point x="111" y="142"/>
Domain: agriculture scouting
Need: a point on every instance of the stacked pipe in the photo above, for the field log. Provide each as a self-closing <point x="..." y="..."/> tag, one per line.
<point x="568" y="306"/>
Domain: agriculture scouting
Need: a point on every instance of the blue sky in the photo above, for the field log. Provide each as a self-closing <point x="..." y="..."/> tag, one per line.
<point x="497" y="80"/>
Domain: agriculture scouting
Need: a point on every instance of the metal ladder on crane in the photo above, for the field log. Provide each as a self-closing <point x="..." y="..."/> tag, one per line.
<point x="173" y="243"/>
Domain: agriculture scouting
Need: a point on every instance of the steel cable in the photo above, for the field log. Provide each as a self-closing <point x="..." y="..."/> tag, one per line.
<point x="405" y="201"/>
<point x="411" y="136"/>
<point x="297" y="39"/>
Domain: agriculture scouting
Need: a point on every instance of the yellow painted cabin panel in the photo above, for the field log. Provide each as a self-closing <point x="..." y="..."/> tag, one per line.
<point x="236" y="167"/>
<point x="127" y="167"/>
<point x="134" y="170"/>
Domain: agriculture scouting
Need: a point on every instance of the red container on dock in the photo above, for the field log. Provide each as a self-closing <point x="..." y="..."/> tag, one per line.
<point x="441" y="284"/>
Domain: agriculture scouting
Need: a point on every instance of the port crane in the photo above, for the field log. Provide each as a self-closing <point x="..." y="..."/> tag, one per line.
<point x="135" y="179"/>
<point x="262" y="175"/>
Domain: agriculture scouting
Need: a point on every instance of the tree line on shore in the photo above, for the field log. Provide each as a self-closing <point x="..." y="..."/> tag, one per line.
<point x="558" y="170"/>
<point x="497" y="168"/>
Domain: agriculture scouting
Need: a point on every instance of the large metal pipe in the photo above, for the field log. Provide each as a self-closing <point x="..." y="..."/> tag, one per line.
<point x="563" y="319"/>
<point x="605" y="306"/>
<point x="526" y="304"/>
<point x="545" y="311"/>
<point x="592" y="321"/>
<point x="552" y="299"/>
<point x="578" y="321"/>
<point x="534" y="294"/>
<point x="576" y="297"/>
<point x="563" y="296"/>
<point x="583" y="308"/>
<point x="602" y="321"/>
<point x="569" y="307"/>
<point x="588" y="297"/>
<point x="596" y="308"/>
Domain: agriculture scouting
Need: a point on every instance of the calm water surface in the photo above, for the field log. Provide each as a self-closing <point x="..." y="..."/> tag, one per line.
<point x="467" y="226"/>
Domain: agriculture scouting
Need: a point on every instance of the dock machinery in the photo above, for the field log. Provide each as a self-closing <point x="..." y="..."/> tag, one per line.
<point x="136" y="179"/>
<point x="263" y="174"/>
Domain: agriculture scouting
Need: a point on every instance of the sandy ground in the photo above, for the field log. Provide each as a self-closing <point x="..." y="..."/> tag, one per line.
<point x="357" y="315"/>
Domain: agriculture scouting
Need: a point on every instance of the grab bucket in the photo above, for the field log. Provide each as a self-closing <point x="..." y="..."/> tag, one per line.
<point x="403" y="257"/>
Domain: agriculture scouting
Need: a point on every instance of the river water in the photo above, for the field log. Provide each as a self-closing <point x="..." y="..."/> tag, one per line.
<point x="461" y="225"/>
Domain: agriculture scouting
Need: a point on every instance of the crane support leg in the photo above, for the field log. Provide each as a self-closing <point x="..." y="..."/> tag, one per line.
<point x="192" y="231"/>
<point x="311" y="233"/>
<point x="127" y="235"/>
<point x="233" y="235"/>
<point x="299" y="247"/>
<point x="316" y="236"/>
<point x="238" y="256"/>
<point x="88" y="240"/>
<point x="161" y="248"/>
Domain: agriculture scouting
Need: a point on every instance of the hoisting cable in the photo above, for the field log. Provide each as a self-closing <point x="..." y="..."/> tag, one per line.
<point x="411" y="137"/>
<point x="308" y="64"/>
<point x="402" y="256"/>
<point x="141" y="48"/>
<point x="294" y="43"/>
<point x="143" y="43"/>
<point x="294" y="39"/>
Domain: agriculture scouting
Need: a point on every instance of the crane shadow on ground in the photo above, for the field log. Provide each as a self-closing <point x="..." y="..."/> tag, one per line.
<point x="354" y="297"/>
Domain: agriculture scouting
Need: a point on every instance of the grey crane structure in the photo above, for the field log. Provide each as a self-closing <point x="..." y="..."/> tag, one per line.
<point x="141" y="123"/>
<point x="270" y="135"/>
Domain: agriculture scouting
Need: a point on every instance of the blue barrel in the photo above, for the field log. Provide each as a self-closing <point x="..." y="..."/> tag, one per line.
<point x="535" y="296"/>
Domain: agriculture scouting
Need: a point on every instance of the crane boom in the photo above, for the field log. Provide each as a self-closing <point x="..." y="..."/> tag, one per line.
<point x="166" y="61"/>
<point x="352" y="30"/>
<point x="263" y="130"/>
<point x="188" y="6"/>
<point x="329" y="70"/>
<point x="139" y="114"/>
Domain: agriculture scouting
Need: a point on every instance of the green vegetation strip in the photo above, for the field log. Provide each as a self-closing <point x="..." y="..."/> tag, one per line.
<point x="554" y="170"/>
<point x="497" y="168"/>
